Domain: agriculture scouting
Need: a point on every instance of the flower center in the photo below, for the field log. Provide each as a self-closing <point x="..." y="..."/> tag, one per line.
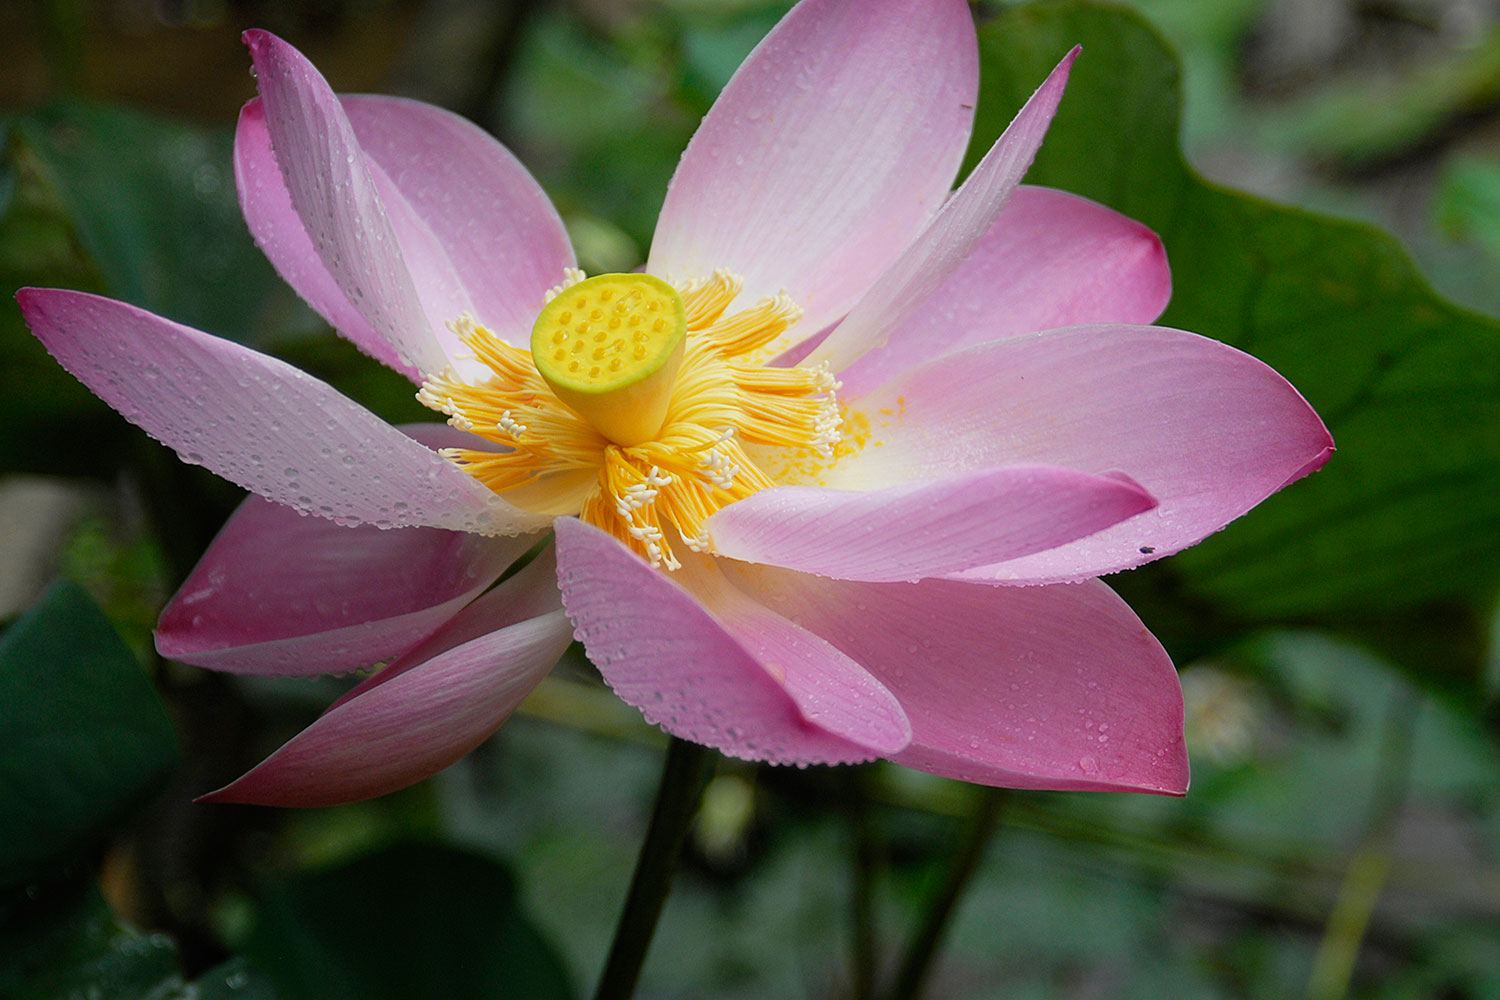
<point x="642" y="407"/>
<point x="610" y="347"/>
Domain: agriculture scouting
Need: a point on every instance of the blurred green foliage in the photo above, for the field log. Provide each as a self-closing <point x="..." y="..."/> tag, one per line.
<point x="83" y="738"/>
<point x="410" y="920"/>
<point x="1468" y="204"/>
<point x="153" y="207"/>
<point x="1361" y="122"/>
<point x="69" y="944"/>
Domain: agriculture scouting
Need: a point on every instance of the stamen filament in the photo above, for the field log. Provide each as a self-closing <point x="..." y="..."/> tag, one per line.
<point x="569" y="440"/>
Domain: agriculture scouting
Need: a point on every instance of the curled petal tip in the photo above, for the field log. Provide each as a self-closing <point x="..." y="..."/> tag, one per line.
<point x="1144" y="496"/>
<point x="257" y="39"/>
<point x="268" y="51"/>
<point x="252" y="110"/>
<point x="1315" y="463"/>
<point x="263" y="48"/>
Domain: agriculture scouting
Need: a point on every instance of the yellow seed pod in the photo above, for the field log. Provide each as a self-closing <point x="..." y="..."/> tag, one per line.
<point x="610" y="347"/>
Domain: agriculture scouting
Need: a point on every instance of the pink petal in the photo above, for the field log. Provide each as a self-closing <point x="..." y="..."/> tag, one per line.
<point x="258" y="421"/>
<point x="941" y="248"/>
<point x="390" y="732"/>
<point x="731" y="675"/>
<point x="924" y="529"/>
<point x="531" y="593"/>
<point x="336" y="198"/>
<point x="489" y="215"/>
<point x="280" y="593"/>
<point x="833" y="144"/>
<point x="1209" y="431"/>
<point x="1027" y="687"/>
<point x="474" y="228"/>
<point x="1051" y="259"/>
<point x="278" y="231"/>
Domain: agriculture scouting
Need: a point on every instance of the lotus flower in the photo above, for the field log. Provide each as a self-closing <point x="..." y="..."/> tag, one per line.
<point x="830" y="480"/>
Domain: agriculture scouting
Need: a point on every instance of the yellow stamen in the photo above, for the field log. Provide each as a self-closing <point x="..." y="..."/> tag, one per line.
<point x="572" y="441"/>
<point x="610" y="347"/>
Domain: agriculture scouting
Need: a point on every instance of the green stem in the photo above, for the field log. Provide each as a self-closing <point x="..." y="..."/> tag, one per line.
<point x="911" y="980"/>
<point x="683" y="777"/>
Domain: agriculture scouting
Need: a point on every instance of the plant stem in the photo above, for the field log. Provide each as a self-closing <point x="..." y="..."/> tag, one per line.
<point x="683" y="777"/>
<point x="916" y="965"/>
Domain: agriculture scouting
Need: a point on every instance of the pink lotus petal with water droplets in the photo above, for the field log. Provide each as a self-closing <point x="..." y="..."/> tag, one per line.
<point x="259" y="422"/>
<point x="424" y="711"/>
<point x="335" y="197"/>
<point x="923" y="529"/>
<point x="279" y="593"/>
<point x="1050" y="259"/>
<point x="1053" y="687"/>
<point x="1208" y="430"/>
<point x="730" y="677"/>
<point x="485" y="212"/>
<point x="950" y="238"/>
<point x="474" y="229"/>
<point x="834" y="143"/>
